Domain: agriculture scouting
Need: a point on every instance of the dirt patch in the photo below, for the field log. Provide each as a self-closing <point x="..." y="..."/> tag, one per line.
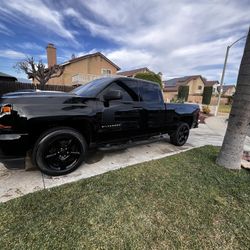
<point x="246" y="156"/>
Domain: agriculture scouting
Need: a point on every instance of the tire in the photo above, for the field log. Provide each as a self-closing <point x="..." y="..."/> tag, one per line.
<point x="180" y="136"/>
<point x="59" y="151"/>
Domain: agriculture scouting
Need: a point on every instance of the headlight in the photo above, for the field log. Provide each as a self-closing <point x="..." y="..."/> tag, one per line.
<point x="6" y="109"/>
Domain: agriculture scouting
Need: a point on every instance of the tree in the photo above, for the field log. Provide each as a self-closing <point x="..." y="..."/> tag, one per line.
<point x="183" y="92"/>
<point x="150" y="76"/>
<point x="39" y="71"/>
<point x="232" y="149"/>
<point x="207" y="95"/>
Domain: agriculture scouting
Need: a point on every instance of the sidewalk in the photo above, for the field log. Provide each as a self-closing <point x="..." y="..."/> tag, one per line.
<point x="219" y="125"/>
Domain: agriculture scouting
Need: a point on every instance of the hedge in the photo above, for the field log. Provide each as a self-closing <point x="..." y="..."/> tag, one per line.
<point x="207" y="95"/>
<point x="183" y="92"/>
<point x="149" y="76"/>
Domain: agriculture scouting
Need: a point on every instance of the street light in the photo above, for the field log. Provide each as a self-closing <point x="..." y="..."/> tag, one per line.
<point x="223" y="73"/>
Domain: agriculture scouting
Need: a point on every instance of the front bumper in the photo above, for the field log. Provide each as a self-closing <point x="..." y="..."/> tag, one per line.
<point x="13" y="149"/>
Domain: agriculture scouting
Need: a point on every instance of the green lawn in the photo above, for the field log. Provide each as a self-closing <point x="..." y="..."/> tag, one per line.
<point x="225" y="108"/>
<point x="184" y="201"/>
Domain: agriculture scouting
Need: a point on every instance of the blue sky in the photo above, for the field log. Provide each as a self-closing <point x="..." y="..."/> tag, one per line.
<point x="176" y="38"/>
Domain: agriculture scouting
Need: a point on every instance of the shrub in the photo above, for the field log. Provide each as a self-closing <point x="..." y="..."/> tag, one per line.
<point x="177" y="100"/>
<point x="183" y="92"/>
<point x="230" y="100"/>
<point x="207" y="95"/>
<point x="206" y="109"/>
<point x="150" y="76"/>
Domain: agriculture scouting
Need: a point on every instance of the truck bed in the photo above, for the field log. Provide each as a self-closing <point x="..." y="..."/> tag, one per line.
<point x="181" y="108"/>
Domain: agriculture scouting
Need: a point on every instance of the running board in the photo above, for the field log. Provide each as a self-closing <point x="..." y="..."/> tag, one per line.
<point x="131" y="143"/>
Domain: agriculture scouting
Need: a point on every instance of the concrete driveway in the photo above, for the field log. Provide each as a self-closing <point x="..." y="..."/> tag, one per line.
<point x="219" y="126"/>
<point x="15" y="183"/>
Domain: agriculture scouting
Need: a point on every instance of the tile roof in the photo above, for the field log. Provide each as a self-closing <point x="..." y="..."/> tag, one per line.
<point x="227" y="87"/>
<point x="211" y="83"/>
<point x="88" y="56"/>
<point x="180" y="80"/>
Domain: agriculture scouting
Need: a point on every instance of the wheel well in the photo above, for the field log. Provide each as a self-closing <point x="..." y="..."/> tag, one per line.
<point x="83" y="127"/>
<point x="188" y="120"/>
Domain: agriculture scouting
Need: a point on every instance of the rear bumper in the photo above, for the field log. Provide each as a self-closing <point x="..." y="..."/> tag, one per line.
<point x="13" y="148"/>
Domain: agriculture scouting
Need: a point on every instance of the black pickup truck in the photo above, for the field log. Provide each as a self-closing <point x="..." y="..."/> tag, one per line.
<point x="56" y="129"/>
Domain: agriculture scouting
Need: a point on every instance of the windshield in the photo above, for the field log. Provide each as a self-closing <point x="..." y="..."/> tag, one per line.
<point x="91" y="89"/>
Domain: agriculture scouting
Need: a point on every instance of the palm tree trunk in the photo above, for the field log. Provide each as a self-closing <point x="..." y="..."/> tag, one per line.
<point x="232" y="149"/>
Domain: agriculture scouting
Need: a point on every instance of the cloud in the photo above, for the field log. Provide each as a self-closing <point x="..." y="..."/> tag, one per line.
<point x="125" y="56"/>
<point x="5" y="30"/>
<point x="30" y="46"/>
<point x="38" y="12"/>
<point x="12" y="54"/>
<point x="172" y="37"/>
<point x="175" y="37"/>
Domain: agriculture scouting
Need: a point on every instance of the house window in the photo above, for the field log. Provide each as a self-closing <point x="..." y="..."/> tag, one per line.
<point x="76" y="78"/>
<point x="199" y="87"/>
<point x="106" y="72"/>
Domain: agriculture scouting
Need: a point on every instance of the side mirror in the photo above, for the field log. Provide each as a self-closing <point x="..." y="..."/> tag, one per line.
<point x="113" y="95"/>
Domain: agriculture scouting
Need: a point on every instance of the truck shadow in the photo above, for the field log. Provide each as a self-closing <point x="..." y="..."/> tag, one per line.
<point x="96" y="155"/>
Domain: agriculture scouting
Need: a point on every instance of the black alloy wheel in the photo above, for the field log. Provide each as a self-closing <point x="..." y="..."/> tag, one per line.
<point x="180" y="136"/>
<point x="59" y="151"/>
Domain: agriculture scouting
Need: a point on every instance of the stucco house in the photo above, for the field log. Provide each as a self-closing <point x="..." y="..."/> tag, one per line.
<point x="196" y="85"/>
<point x="80" y="70"/>
<point x="133" y="72"/>
<point x="228" y="90"/>
<point x="215" y="85"/>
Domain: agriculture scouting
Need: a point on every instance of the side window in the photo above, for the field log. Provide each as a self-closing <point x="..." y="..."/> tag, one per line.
<point x="118" y="86"/>
<point x="131" y="87"/>
<point x="129" y="91"/>
<point x="150" y="93"/>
